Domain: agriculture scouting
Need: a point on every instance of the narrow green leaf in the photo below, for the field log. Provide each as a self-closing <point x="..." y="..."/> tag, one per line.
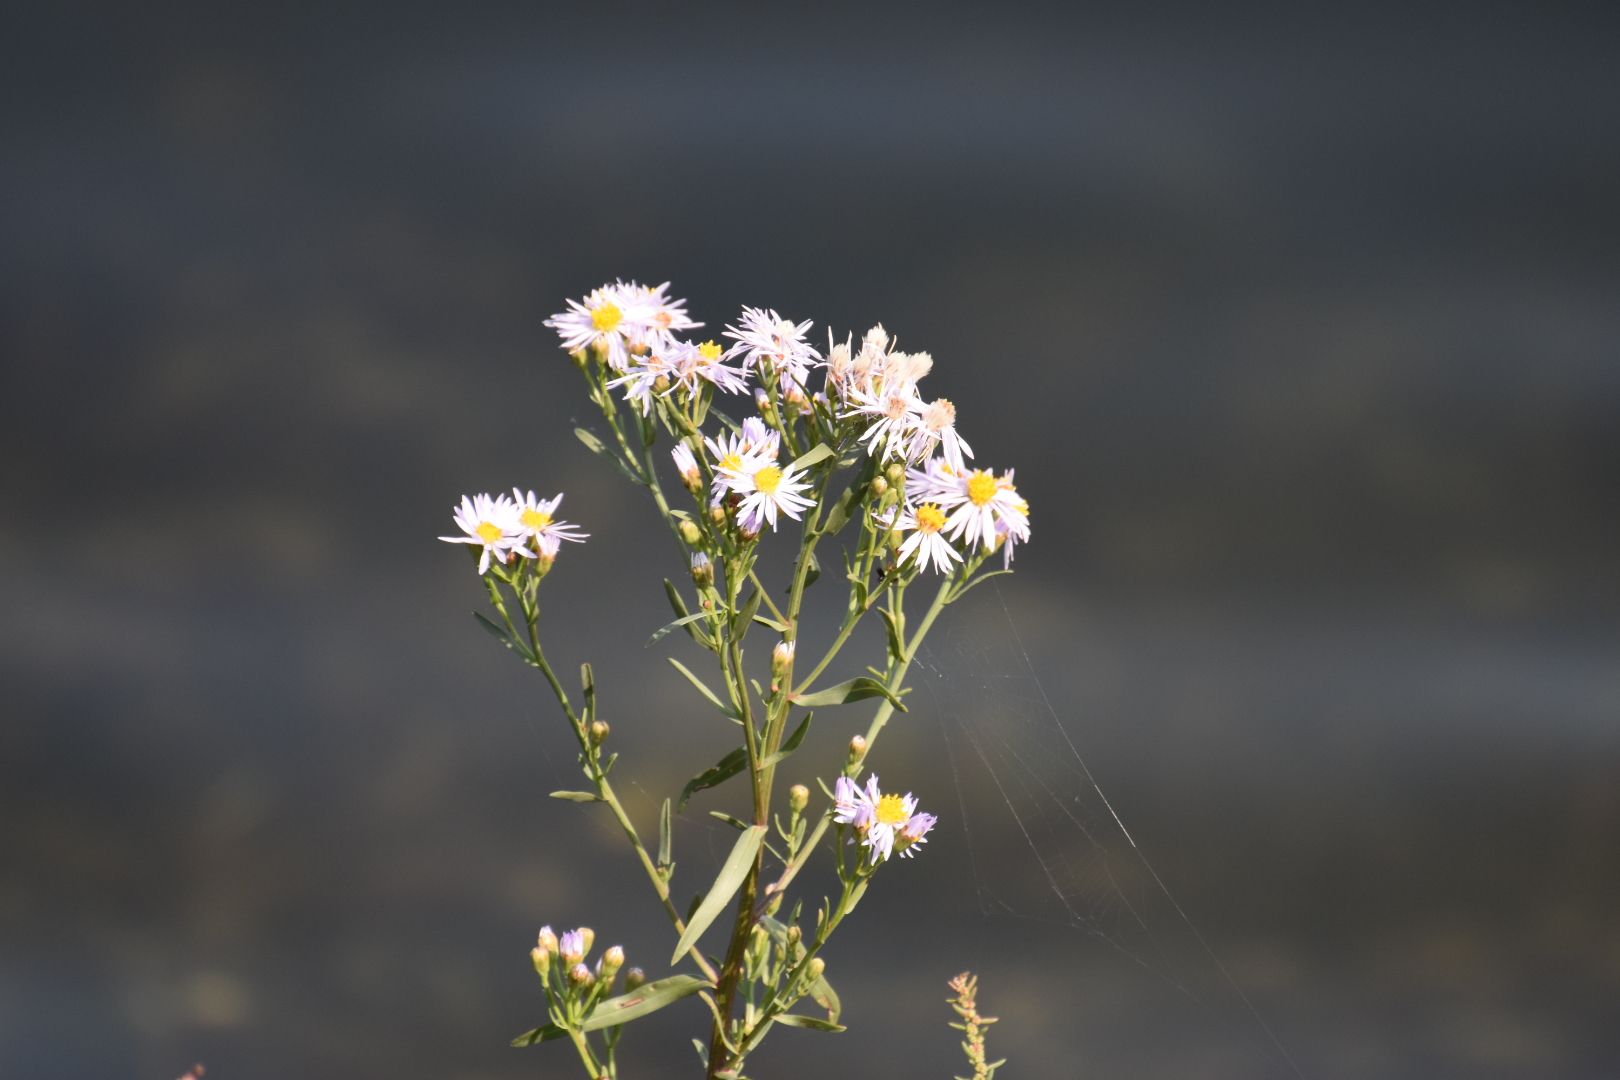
<point x="746" y="613"/>
<point x="790" y="744"/>
<point x="779" y="627"/>
<point x="816" y="453"/>
<point x="596" y="446"/>
<point x="643" y="1000"/>
<point x="540" y="1035"/>
<point x="500" y="635"/>
<point x="813" y="572"/>
<point x="717" y="774"/>
<point x="575" y="796"/>
<point x="665" y="839"/>
<point x="726" y="883"/>
<point x="852" y="690"/>
<point x="592" y="443"/>
<point x="735" y="822"/>
<point x="676" y="600"/>
<point x="662" y="631"/>
<point x="705" y="691"/>
<point x="814" y="1023"/>
<point x="822" y="993"/>
<point x="897" y="646"/>
<point x="587" y="683"/>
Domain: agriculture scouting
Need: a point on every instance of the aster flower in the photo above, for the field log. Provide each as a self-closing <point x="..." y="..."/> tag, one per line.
<point x="688" y="364"/>
<point x="493" y="525"/>
<point x="936" y="427"/>
<point x="892" y="413"/>
<point x="934" y="482"/>
<point x="755" y="440"/>
<point x="884" y="823"/>
<point x="927" y="543"/>
<point x="610" y="319"/>
<point x="640" y="379"/>
<point x="535" y="522"/>
<point x="766" y="488"/>
<point x="764" y="337"/>
<point x="984" y="508"/>
<point x="660" y="318"/>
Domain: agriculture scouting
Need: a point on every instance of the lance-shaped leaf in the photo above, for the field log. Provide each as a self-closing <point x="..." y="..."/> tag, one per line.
<point x="540" y="1035"/>
<point x="705" y="691"/>
<point x="746" y="613"/>
<point x="576" y="796"/>
<point x="643" y="1000"/>
<point x="665" y="838"/>
<point x="816" y="453"/>
<point x="732" y="874"/>
<point x="790" y="744"/>
<point x="715" y="775"/>
<point x="500" y="634"/>
<point x="822" y="993"/>
<point x="662" y="631"/>
<point x="851" y="690"/>
<point x="596" y="446"/>
<point x="815" y="1023"/>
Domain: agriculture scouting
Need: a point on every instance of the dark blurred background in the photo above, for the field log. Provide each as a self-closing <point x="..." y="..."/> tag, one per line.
<point x="1301" y="328"/>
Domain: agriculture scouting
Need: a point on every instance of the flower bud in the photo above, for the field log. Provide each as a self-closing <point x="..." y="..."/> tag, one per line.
<point x="879" y="486"/>
<point x="896" y="473"/>
<point x="612" y="961"/>
<point x="579" y="357"/>
<point x="547" y="940"/>
<point x="542" y="961"/>
<point x="794" y="935"/>
<point x="572" y="947"/>
<point x="762" y="400"/>
<point x="589" y="937"/>
<point x="816" y="967"/>
<point x="690" y="532"/>
<point x="634" y="978"/>
<point x="857" y="749"/>
<point x="782" y="659"/>
<point x="661" y="384"/>
<point x="580" y="975"/>
<point x="599" y="732"/>
<point x="702" y="570"/>
<point x="798" y="798"/>
<point x="717" y="514"/>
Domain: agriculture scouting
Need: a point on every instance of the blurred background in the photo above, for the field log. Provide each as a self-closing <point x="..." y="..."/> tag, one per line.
<point x="1301" y="329"/>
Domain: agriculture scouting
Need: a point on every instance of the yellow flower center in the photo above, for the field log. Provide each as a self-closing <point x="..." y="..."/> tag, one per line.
<point x="489" y="532"/>
<point x="930" y="518"/>
<point x="606" y="317"/>
<point x="768" y="479"/>
<point x="891" y="810"/>
<point x="981" y="487"/>
<point x="709" y="351"/>
<point x="535" y="519"/>
<point x="730" y="461"/>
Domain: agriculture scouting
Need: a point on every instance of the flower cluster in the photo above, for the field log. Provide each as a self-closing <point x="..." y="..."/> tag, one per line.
<point x="508" y="527"/>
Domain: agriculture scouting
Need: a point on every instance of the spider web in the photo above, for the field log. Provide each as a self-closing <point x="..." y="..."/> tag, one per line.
<point x="1020" y="776"/>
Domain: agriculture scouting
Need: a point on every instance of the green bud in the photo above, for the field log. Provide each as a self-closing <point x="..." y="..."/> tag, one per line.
<point x="798" y="798"/>
<point x="634" y="978"/>
<point x="599" y="732"/>
<point x="857" y="749"/>
<point x="690" y="532"/>
<point x="896" y="473"/>
<point x="586" y="932"/>
<point x="879" y="486"/>
<point x="816" y="967"/>
<point x="542" y="961"/>
<point x="580" y="975"/>
<point x="781" y="659"/>
<point x="702" y="570"/>
<point x="612" y="961"/>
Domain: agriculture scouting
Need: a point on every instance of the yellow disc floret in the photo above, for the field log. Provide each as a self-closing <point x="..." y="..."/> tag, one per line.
<point x="535" y="519"/>
<point x="607" y="317"/>
<point x="768" y="479"/>
<point x="709" y="351"/>
<point x="489" y="532"/>
<point x="981" y="487"/>
<point x="930" y="518"/>
<point x="891" y="810"/>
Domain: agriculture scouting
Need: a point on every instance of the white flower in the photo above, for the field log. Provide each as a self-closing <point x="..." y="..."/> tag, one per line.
<point x="934" y="482"/>
<point x="766" y="489"/>
<point x="686" y="464"/>
<point x="936" y="426"/>
<point x="640" y="379"/>
<point x="611" y="318"/>
<point x="893" y="413"/>
<point x="926" y="544"/>
<point x="767" y="338"/>
<point x="883" y="822"/>
<point x="755" y="440"/>
<point x="535" y="522"/>
<point x="493" y="525"/>
<point x="659" y="317"/>
<point x="985" y="508"/>
<point x="688" y="363"/>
